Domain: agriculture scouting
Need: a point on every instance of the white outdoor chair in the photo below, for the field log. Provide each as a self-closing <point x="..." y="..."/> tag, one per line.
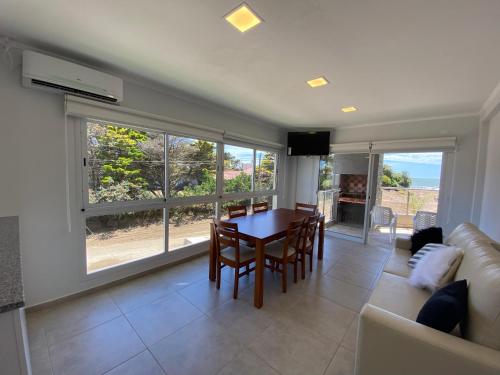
<point x="384" y="217"/>
<point x="423" y="220"/>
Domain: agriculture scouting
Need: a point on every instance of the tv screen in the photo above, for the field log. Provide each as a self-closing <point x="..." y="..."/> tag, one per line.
<point x="308" y="143"/>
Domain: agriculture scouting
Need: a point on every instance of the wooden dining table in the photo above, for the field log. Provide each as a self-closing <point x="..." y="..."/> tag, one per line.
<point x="261" y="229"/>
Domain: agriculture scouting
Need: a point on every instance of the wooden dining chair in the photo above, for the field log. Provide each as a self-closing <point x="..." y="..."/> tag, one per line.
<point x="307" y="244"/>
<point x="260" y="207"/>
<point x="230" y="252"/>
<point x="236" y="211"/>
<point x="312" y="208"/>
<point x="285" y="251"/>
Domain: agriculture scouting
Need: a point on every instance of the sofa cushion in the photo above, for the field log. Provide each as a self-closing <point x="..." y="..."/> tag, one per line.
<point x="398" y="262"/>
<point x="393" y="293"/>
<point x="480" y="266"/>
<point x="464" y="234"/>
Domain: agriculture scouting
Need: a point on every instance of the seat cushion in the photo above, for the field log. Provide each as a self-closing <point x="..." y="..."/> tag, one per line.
<point x="480" y="266"/>
<point x="246" y="253"/>
<point x="393" y="293"/>
<point x="398" y="263"/>
<point x="275" y="249"/>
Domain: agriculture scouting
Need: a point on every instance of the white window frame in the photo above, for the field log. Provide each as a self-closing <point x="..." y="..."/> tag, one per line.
<point x="106" y="208"/>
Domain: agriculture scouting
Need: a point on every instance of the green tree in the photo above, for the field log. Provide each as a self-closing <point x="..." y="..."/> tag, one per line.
<point x="394" y="179"/>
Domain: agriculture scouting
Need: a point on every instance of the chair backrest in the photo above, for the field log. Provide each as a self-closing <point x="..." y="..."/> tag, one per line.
<point x="294" y="235"/>
<point x="260" y="207"/>
<point x="310" y="232"/>
<point x="312" y="208"/>
<point x="381" y="215"/>
<point x="236" y="211"/>
<point x="226" y="235"/>
<point x="424" y="219"/>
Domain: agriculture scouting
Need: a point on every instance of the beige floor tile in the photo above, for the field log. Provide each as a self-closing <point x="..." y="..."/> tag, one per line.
<point x="347" y="295"/>
<point x="247" y="363"/>
<point x="160" y="318"/>
<point x="141" y="364"/>
<point x="97" y="350"/>
<point x="201" y="347"/>
<point x="352" y="275"/>
<point x="141" y="291"/>
<point x="292" y="349"/>
<point x="342" y="364"/>
<point x="321" y="316"/>
<point x="39" y="354"/>
<point x="74" y="316"/>
<point x="242" y="320"/>
<point x="205" y="296"/>
<point x="349" y="341"/>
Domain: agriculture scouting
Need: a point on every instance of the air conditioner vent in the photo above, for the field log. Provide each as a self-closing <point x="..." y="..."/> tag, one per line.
<point x="74" y="91"/>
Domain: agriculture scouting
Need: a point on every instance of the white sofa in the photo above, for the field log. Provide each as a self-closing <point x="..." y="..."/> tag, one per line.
<point x="391" y="342"/>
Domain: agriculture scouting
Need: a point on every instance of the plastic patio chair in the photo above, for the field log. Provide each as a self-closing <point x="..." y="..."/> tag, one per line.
<point x="384" y="217"/>
<point x="423" y="220"/>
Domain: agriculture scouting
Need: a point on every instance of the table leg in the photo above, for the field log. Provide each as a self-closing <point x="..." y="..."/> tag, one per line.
<point x="321" y="238"/>
<point x="258" y="296"/>
<point x="212" y="256"/>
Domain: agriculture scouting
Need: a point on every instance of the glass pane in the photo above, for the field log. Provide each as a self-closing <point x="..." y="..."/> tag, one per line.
<point x="192" y="166"/>
<point x="240" y="202"/>
<point x="326" y="172"/>
<point x="124" y="164"/>
<point x="117" y="239"/>
<point x="408" y="183"/>
<point x="238" y="169"/>
<point x="189" y="225"/>
<point x="267" y="198"/>
<point x="264" y="170"/>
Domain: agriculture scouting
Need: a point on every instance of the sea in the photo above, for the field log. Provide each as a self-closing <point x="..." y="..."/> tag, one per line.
<point x="424" y="183"/>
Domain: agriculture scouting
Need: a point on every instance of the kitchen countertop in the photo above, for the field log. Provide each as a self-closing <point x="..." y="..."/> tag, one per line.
<point x="352" y="200"/>
<point x="11" y="284"/>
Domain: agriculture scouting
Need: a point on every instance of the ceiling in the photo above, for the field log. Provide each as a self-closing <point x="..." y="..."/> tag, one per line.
<point x="393" y="59"/>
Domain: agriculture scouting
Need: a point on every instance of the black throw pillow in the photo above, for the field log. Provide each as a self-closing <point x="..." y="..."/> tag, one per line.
<point x="425" y="236"/>
<point x="446" y="308"/>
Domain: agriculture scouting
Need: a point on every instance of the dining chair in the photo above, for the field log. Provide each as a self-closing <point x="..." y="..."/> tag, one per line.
<point x="230" y="252"/>
<point x="260" y="207"/>
<point x="312" y="208"/>
<point x="285" y="251"/>
<point x="307" y="243"/>
<point x="236" y="211"/>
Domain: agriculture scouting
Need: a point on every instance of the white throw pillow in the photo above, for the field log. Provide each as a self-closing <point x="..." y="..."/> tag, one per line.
<point x="433" y="269"/>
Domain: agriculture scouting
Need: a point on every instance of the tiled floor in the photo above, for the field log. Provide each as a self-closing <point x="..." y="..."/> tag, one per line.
<point x="176" y="322"/>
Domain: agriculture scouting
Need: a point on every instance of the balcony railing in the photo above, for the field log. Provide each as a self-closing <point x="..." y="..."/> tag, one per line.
<point x="407" y="201"/>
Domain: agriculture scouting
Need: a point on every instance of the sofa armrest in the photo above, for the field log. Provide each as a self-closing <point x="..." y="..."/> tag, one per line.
<point x="392" y="345"/>
<point x="402" y="243"/>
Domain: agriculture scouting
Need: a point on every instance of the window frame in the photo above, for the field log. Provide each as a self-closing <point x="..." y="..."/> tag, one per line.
<point x="167" y="203"/>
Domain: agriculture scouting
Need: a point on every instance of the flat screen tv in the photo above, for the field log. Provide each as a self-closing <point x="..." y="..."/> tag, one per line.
<point x="308" y="143"/>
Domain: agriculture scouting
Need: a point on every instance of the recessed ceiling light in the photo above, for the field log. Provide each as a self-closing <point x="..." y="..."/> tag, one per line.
<point x="349" y="109"/>
<point x="317" y="82"/>
<point x="243" y="18"/>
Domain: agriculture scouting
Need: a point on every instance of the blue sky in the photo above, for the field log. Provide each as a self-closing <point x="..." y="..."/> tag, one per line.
<point x="418" y="165"/>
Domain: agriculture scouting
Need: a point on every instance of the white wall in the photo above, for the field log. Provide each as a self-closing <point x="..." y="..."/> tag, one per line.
<point x="306" y="179"/>
<point x="490" y="208"/>
<point x="463" y="171"/>
<point x="32" y="164"/>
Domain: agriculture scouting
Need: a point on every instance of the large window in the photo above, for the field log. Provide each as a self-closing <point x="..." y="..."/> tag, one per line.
<point x="148" y="193"/>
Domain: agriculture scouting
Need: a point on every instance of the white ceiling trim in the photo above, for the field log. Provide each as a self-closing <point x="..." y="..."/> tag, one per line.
<point x="404" y="121"/>
<point x="491" y="105"/>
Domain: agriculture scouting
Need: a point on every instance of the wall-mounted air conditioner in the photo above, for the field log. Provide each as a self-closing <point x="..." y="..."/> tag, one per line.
<point x="53" y="74"/>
